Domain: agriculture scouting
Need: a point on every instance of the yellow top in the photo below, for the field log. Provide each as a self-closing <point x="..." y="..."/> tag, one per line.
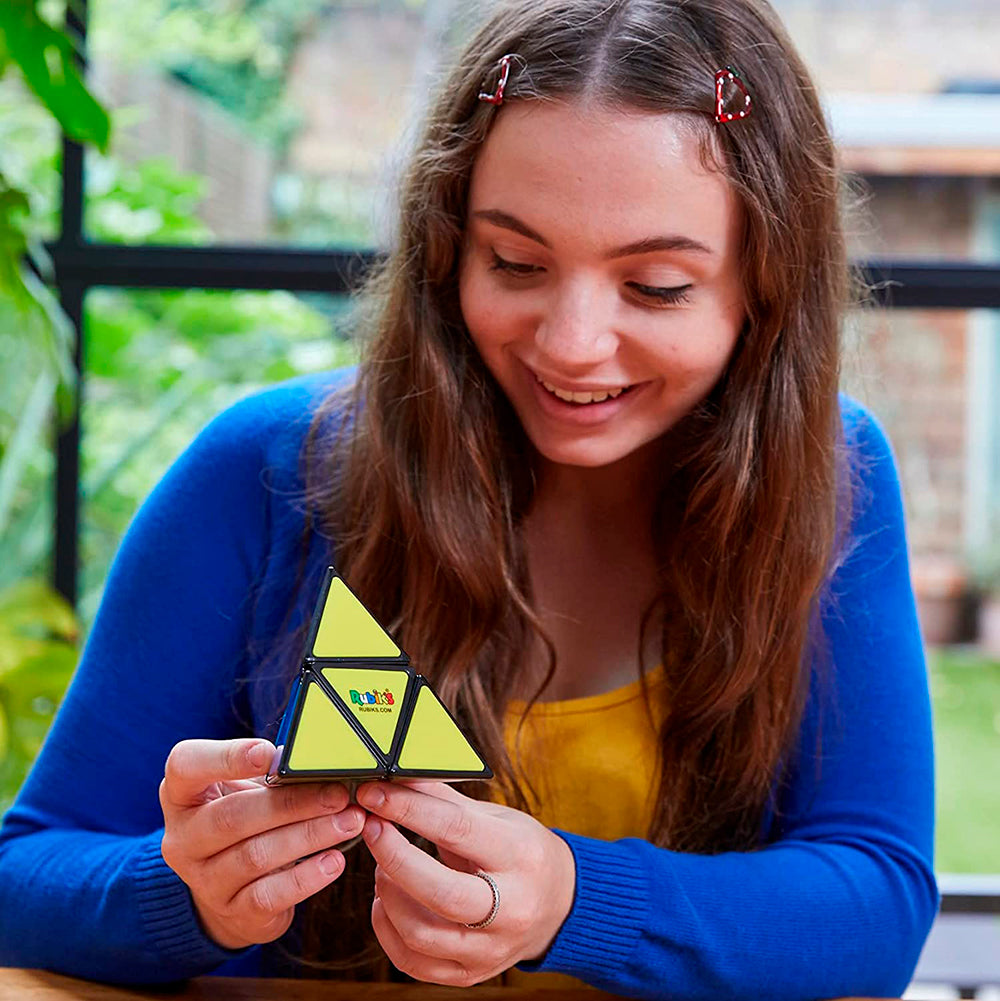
<point x="593" y="765"/>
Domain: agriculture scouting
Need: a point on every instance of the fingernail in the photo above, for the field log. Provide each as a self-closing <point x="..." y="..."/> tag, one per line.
<point x="347" y="820"/>
<point x="372" y="796"/>
<point x="373" y="828"/>
<point x="330" y="863"/>
<point x="259" y="755"/>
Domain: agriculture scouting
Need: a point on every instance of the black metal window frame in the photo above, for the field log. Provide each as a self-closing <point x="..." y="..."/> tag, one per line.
<point x="80" y="265"/>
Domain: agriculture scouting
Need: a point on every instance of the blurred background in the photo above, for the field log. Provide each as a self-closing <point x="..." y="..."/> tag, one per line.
<point x="230" y="167"/>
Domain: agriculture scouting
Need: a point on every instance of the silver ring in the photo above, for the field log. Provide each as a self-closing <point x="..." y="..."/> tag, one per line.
<point x="488" y="920"/>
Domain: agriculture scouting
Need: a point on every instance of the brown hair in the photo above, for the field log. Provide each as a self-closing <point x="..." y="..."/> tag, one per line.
<point x="425" y="494"/>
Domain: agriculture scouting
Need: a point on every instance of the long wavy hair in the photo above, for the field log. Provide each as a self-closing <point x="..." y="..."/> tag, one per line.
<point x="426" y="492"/>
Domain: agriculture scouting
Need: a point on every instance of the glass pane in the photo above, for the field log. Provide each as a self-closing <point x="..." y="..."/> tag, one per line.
<point x="267" y="122"/>
<point x="160" y="365"/>
<point x="965" y="700"/>
<point x="932" y="378"/>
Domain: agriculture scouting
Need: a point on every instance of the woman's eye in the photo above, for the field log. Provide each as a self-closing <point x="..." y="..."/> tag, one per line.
<point x="512" y="267"/>
<point x="654" y="293"/>
<point x="666" y="296"/>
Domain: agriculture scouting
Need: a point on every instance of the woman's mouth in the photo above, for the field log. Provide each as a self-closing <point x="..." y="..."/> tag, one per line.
<point x="575" y="408"/>
<point x="583" y="397"/>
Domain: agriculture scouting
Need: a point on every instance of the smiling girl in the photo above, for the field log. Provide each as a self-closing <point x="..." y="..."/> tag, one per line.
<point x="594" y="473"/>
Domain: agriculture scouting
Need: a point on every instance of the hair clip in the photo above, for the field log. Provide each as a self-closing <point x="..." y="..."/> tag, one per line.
<point x="497" y="96"/>
<point x="731" y="75"/>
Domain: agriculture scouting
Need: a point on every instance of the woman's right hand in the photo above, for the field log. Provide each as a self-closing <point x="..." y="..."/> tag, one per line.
<point x="235" y="841"/>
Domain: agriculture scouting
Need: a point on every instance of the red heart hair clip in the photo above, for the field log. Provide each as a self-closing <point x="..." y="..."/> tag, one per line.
<point x="730" y="75"/>
<point x="497" y="96"/>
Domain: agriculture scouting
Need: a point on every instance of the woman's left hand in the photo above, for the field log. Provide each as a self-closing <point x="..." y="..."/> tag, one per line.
<point x="423" y="906"/>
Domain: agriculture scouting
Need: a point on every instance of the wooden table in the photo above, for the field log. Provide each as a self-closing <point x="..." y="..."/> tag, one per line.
<point x="37" y="985"/>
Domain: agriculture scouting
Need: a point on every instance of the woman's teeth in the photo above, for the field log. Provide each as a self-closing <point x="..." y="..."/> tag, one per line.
<point x="586" y="397"/>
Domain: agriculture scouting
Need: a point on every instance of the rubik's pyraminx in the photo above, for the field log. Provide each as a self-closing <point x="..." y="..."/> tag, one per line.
<point x="358" y="711"/>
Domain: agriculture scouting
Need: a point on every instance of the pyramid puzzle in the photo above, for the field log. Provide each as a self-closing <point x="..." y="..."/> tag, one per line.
<point x="358" y="711"/>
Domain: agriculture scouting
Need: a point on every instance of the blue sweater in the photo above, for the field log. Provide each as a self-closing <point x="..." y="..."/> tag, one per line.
<point x="837" y="902"/>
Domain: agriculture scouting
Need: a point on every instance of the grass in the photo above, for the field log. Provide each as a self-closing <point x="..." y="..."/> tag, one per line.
<point x="965" y="696"/>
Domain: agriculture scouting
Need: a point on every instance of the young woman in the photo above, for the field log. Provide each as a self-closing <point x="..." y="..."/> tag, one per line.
<point x="595" y="475"/>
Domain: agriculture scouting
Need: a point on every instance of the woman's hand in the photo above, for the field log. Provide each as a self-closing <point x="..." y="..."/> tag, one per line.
<point x="235" y="841"/>
<point x="422" y="906"/>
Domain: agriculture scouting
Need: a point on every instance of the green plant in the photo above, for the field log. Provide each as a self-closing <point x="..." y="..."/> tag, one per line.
<point x="37" y="629"/>
<point x="37" y="655"/>
<point x="36" y="339"/>
<point x="45" y="59"/>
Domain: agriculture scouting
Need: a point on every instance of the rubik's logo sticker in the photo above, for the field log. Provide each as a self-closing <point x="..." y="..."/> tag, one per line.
<point x="357" y="710"/>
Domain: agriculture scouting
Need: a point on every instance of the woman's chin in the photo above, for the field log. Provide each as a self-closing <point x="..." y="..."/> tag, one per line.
<point x="586" y="455"/>
<point x="600" y="451"/>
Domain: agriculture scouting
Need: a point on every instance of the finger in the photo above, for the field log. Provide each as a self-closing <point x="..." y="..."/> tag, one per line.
<point x="213" y="792"/>
<point x="427" y="968"/>
<point x="259" y="809"/>
<point x="455" y="896"/>
<point x="193" y="766"/>
<point x="462" y="828"/>
<point x="433" y="788"/>
<point x="421" y="929"/>
<point x="268" y="899"/>
<point x="457" y="862"/>
<point x="239" y="785"/>
<point x="232" y="870"/>
<point x="447" y="792"/>
<point x="442" y="790"/>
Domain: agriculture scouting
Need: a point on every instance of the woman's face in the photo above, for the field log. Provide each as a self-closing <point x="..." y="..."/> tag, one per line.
<point x="599" y="278"/>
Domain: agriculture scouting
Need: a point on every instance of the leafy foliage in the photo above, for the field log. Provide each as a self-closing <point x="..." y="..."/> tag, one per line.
<point x="45" y="58"/>
<point x="37" y="656"/>
<point x="162" y="364"/>
<point x="147" y="202"/>
<point x="37" y="629"/>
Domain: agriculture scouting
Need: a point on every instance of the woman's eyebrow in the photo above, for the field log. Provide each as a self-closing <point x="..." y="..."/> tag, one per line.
<point x="647" y="245"/>
<point x="650" y="244"/>
<point x="507" y="221"/>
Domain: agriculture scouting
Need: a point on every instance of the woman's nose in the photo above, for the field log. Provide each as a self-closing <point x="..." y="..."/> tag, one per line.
<point x="575" y="330"/>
